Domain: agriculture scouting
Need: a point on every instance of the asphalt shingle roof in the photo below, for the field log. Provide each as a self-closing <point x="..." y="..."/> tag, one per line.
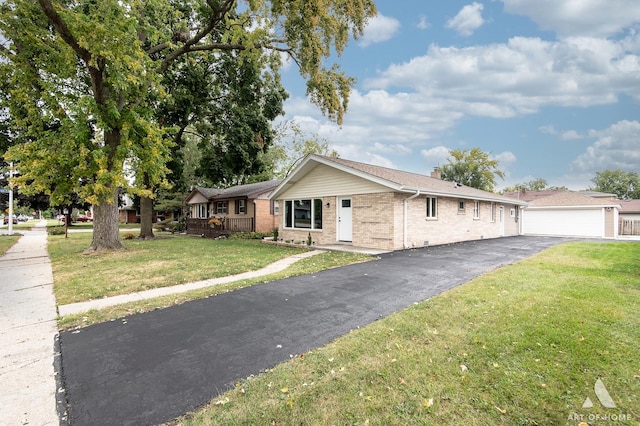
<point x="569" y="198"/>
<point x="424" y="183"/>
<point x="250" y="191"/>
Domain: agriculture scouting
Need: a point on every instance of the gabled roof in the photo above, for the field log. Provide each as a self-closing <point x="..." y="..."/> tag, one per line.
<point x="572" y="199"/>
<point x="250" y="191"/>
<point x="629" y="206"/>
<point x="395" y="180"/>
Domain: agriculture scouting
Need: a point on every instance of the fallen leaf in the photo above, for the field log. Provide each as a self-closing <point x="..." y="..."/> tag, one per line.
<point x="222" y="401"/>
<point x="284" y="390"/>
<point x="427" y="403"/>
<point x="502" y="410"/>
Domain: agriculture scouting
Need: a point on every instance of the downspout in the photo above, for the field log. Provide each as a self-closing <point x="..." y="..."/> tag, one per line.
<point x="405" y="218"/>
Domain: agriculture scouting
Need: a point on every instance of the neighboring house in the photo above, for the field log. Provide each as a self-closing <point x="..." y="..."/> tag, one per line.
<point x="336" y="200"/>
<point x="242" y="208"/>
<point x="629" y="223"/>
<point x="568" y="213"/>
<point x="127" y="213"/>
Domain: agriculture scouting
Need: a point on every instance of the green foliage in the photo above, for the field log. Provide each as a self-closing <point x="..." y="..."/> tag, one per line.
<point x="83" y="83"/>
<point x="249" y="235"/>
<point x="626" y="185"/>
<point x="472" y="167"/>
<point x="55" y="230"/>
<point x="290" y="146"/>
<point x="532" y="185"/>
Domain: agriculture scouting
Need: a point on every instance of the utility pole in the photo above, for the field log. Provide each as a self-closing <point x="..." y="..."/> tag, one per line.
<point x="10" y="199"/>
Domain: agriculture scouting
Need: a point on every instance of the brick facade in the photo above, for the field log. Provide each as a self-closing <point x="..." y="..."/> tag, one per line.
<point x="378" y="222"/>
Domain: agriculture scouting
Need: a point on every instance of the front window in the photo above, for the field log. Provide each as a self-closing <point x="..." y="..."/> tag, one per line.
<point x="461" y="206"/>
<point x="200" y="211"/>
<point x="241" y="206"/>
<point x="432" y="207"/>
<point x="221" y="207"/>
<point x="303" y="214"/>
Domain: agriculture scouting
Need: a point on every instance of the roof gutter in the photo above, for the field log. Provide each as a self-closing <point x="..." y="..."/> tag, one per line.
<point x="405" y="230"/>
<point x="503" y="200"/>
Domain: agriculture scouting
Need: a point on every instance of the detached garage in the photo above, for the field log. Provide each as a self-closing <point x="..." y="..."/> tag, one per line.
<point x="568" y="213"/>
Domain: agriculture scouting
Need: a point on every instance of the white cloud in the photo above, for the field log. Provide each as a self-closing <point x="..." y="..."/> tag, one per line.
<point x="436" y="156"/>
<point x="468" y="19"/>
<point x="578" y="17"/>
<point x="519" y="77"/>
<point x="356" y="153"/>
<point x="548" y="129"/>
<point x="571" y="135"/>
<point x="423" y="24"/>
<point x="506" y="158"/>
<point x="617" y="147"/>
<point x="380" y="28"/>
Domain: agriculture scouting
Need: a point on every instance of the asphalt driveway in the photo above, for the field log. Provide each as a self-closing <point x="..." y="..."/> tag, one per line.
<point x="153" y="367"/>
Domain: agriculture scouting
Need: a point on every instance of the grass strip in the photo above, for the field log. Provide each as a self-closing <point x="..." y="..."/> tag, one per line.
<point x="522" y="345"/>
<point x="7" y="241"/>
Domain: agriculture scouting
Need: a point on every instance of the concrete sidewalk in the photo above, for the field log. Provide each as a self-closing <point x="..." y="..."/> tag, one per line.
<point x="76" y="308"/>
<point x="27" y="333"/>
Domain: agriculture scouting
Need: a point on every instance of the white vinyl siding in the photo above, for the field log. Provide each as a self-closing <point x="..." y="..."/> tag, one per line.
<point x="327" y="181"/>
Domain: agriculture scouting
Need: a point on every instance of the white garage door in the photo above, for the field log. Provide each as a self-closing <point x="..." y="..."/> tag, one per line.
<point x="578" y="223"/>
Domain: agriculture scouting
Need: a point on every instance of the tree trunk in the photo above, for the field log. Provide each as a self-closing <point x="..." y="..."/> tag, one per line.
<point x="146" y="218"/>
<point x="106" y="232"/>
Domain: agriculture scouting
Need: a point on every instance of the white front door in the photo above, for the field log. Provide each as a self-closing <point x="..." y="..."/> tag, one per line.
<point x="345" y="223"/>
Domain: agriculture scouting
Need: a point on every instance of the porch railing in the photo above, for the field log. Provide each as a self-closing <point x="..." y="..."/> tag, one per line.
<point x="228" y="225"/>
<point x="629" y="227"/>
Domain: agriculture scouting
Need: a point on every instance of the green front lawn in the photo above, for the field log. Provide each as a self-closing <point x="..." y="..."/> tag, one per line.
<point x="165" y="261"/>
<point x="522" y="345"/>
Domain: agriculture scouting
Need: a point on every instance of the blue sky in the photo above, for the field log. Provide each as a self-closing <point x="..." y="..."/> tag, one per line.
<point x="550" y="88"/>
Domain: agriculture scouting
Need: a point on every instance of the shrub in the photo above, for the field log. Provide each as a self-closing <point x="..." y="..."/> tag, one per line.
<point x="55" y="230"/>
<point x="249" y="235"/>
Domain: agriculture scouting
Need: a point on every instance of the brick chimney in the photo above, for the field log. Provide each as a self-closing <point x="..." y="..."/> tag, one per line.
<point x="436" y="174"/>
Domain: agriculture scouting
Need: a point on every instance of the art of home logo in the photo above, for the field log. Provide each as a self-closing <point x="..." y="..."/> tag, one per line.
<point x="606" y="401"/>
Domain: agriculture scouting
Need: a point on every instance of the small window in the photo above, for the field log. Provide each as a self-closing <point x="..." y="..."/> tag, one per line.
<point x="241" y="206"/>
<point x="432" y="207"/>
<point x="476" y="209"/>
<point x="461" y="206"/>
<point x="493" y="212"/>
<point x="346" y="203"/>
<point x="276" y="208"/>
<point x="221" y="207"/>
<point x="512" y="212"/>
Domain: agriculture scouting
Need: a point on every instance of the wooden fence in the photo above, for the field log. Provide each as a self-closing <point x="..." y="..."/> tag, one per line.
<point x="629" y="227"/>
<point x="228" y="225"/>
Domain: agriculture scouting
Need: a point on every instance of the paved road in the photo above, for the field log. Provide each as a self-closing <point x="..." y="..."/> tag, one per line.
<point x="153" y="367"/>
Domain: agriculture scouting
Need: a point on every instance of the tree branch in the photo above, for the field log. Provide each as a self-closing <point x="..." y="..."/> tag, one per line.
<point x="61" y="27"/>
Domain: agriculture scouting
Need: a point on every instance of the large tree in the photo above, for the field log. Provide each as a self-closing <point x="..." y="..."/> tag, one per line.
<point x="626" y="185"/>
<point x="472" y="167"/>
<point x="85" y="79"/>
